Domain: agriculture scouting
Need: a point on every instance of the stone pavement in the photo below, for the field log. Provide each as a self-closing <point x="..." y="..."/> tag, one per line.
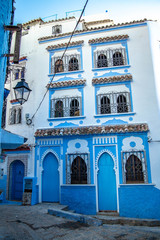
<point x="33" y="223"/>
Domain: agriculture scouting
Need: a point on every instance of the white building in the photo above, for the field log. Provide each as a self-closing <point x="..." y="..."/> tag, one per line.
<point x="94" y="143"/>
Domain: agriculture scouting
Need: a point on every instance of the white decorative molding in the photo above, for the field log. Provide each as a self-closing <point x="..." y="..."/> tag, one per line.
<point x="100" y="154"/>
<point x="138" y="144"/>
<point x="105" y="140"/>
<point x="82" y="148"/>
<point x="49" y="151"/>
<point x="50" y="141"/>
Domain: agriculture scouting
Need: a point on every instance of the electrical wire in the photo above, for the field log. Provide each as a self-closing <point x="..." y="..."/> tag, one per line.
<point x="60" y="61"/>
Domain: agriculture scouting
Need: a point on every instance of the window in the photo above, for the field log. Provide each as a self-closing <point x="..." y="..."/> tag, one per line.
<point x="74" y="108"/>
<point x="134" y="170"/>
<point x="78" y="168"/>
<point x="59" y="66"/>
<point x="117" y="59"/>
<point x="113" y="103"/>
<point x="15" y="115"/>
<point x="67" y="64"/>
<point x="105" y="105"/>
<point x="110" y="58"/>
<point x="22" y="72"/>
<point x="66" y="107"/>
<point x="73" y="64"/>
<point x="122" y="104"/>
<point x="78" y="171"/>
<point x="102" y="61"/>
<point x="59" y="109"/>
<point x="17" y="74"/>
<point x="134" y="167"/>
<point x="57" y="29"/>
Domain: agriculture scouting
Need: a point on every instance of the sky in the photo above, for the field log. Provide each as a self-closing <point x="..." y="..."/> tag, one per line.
<point x="118" y="10"/>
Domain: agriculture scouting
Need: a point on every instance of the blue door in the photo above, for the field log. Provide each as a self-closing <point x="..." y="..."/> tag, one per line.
<point x="16" y="178"/>
<point x="107" y="197"/>
<point x="50" y="179"/>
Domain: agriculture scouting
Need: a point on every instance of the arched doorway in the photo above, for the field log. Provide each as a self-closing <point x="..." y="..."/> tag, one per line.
<point x="107" y="196"/>
<point x="50" y="179"/>
<point x="16" y="175"/>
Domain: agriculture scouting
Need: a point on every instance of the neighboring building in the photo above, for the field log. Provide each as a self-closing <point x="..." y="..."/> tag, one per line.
<point x="7" y="139"/>
<point x="94" y="142"/>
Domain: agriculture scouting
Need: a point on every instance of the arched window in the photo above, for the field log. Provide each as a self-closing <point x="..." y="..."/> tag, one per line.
<point x="73" y="64"/>
<point x="134" y="173"/>
<point x="79" y="171"/>
<point x="102" y="61"/>
<point x="59" y="66"/>
<point x="74" y="108"/>
<point x="105" y="105"/>
<point x="117" y="59"/>
<point x="59" y="109"/>
<point x="122" y="104"/>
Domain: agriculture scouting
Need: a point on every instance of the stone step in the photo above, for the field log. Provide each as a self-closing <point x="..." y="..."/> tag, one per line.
<point x="108" y="213"/>
<point x="128" y="221"/>
<point x="97" y="220"/>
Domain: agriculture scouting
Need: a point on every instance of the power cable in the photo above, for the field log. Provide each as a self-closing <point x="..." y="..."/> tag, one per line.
<point x="30" y="120"/>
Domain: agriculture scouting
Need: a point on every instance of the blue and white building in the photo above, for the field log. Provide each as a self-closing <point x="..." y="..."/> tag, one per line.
<point x="94" y="143"/>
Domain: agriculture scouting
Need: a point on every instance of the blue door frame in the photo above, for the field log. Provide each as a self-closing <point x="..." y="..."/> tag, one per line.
<point x="107" y="193"/>
<point x="50" y="179"/>
<point x="16" y="180"/>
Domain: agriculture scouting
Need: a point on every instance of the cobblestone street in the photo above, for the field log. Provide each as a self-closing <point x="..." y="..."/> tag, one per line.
<point x="33" y="223"/>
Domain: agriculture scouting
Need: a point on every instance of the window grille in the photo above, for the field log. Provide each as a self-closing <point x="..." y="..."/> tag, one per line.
<point x="110" y="57"/>
<point x="134" y="167"/>
<point x="113" y="103"/>
<point x="15" y="115"/>
<point x="77" y="168"/>
<point x="22" y="72"/>
<point x="68" y="63"/>
<point x="65" y="107"/>
<point x="57" y="29"/>
<point x="3" y="122"/>
<point x="17" y="74"/>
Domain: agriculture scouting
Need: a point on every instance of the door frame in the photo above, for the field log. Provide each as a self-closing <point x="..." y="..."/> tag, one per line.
<point x="11" y="158"/>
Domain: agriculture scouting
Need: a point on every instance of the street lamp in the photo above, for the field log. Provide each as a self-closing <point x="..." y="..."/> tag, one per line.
<point x="22" y="91"/>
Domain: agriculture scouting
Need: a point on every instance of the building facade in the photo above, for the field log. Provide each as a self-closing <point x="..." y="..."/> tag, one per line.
<point x="93" y="143"/>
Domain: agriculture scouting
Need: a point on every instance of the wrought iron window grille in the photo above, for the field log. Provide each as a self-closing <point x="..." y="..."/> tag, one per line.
<point x="67" y="64"/>
<point x="110" y="58"/>
<point x="113" y="102"/>
<point x="77" y="168"/>
<point x="134" y="167"/>
<point x="66" y="107"/>
<point x="15" y="116"/>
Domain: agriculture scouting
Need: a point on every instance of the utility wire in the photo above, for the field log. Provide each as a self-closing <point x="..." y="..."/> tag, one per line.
<point x="60" y="61"/>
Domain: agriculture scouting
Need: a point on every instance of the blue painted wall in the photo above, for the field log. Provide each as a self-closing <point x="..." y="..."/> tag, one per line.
<point x="139" y="201"/>
<point x="82" y="199"/>
<point x="5" y="19"/>
<point x="3" y="185"/>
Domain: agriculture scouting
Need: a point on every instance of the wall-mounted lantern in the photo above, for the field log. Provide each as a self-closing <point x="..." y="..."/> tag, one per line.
<point x="22" y="91"/>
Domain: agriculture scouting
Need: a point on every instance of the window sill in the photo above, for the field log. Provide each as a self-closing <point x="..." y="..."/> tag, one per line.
<point x="66" y="73"/>
<point x="78" y="185"/>
<point x="114" y="115"/>
<point x="136" y="184"/>
<point x="66" y="118"/>
<point x="110" y="68"/>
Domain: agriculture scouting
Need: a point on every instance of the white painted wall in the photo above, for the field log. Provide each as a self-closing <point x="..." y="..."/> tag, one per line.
<point x="145" y="85"/>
